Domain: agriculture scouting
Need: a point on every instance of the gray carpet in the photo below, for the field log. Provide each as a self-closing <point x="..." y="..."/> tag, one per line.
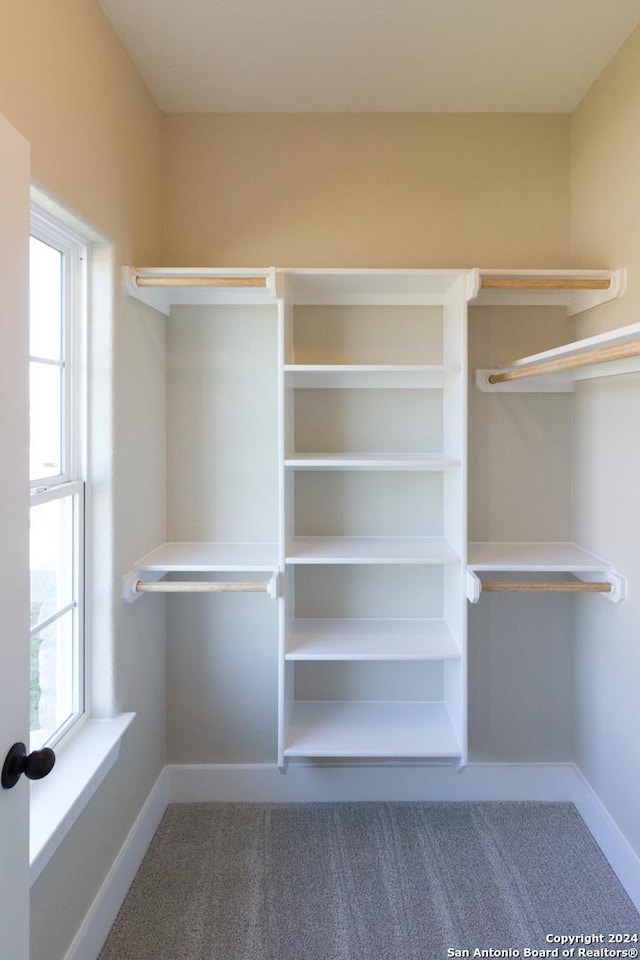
<point x="365" y="881"/>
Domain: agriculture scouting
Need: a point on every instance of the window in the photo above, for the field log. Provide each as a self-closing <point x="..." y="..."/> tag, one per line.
<point x="57" y="522"/>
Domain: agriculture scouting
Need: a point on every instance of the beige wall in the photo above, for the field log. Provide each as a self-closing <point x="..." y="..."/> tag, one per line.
<point x="67" y="85"/>
<point x="605" y="193"/>
<point x="396" y="190"/>
<point x="605" y="186"/>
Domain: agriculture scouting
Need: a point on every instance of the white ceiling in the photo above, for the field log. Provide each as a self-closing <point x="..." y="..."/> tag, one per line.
<point x="371" y="55"/>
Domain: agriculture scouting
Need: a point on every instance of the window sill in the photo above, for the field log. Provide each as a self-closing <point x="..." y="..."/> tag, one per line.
<point x="81" y="766"/>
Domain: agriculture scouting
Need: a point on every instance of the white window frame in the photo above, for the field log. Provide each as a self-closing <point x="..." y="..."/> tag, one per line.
<point x="70" y="481"/>
<point x="91" y="747"/>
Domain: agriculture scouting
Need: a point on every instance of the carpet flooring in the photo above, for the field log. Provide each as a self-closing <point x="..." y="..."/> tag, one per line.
<point x="367" y="881"/>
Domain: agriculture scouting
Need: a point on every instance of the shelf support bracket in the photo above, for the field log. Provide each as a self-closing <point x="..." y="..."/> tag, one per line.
<point x="473" y="283"/>
<point x="154" y="297"/>
<point x="618" y="583"/>
<point x="474" y="587"/>
<point x="129" y="592"/>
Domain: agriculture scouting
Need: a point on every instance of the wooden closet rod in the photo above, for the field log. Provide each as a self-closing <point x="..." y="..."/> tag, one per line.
<point x="201" y="586"/>
<point x="599" y="355"/>
<point x="545" y="586"/>
<point x="543" y="283"/>
<point x="201" y="281"/>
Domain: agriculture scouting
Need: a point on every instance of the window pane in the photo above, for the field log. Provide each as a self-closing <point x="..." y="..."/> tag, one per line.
<point x="56" y="534"/>
<point x="51" y="557"/>
<point x="45" y="420"/>
<point x="52" y="675"/>
<point x="45" y="322"/>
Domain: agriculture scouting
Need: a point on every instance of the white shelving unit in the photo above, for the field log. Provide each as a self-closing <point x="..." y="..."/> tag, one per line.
<point x="373" y="379"/>
<point x="371" y="568"/>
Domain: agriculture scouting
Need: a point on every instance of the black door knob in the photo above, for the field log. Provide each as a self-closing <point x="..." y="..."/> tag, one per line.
<point x="35" y="765"/>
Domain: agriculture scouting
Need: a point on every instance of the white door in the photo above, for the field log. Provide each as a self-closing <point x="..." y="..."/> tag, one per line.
<point x="14" y="527"/>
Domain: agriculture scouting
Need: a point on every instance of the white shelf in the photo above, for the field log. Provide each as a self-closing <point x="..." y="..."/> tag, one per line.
<point x="163" y="297"/>
<point x="363" y="287"/>
<point x="371" y="461"/>
<point x="576" y="301"/>
<point x="210" y="557"/>
<point x="537" y="558"/>
<point x="371" y="376"/>
<point x="562" y="381"/>
<point x="550" y="557"/>
<point x="203" y="557"/>
<point x="371" y="640"/>
<point x="370" y="550"/>
<point x="365" y="729"/>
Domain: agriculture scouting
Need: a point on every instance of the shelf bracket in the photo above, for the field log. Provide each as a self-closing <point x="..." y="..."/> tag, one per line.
<point x="154" y="297"/>
<point x="618" y="583"/>
<point x="472" y="280"/>
<point x="129" y="592"/>
<point x="274" y="587"/>
<point x="587" y="299"/>
<point x="272" y="282"/>
<point x="474" y="587"/>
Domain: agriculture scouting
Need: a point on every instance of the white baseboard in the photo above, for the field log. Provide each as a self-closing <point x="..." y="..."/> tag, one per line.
<point x="89" y="940"/>
<point x="605" y="831"/>
<point x="255" y="783"/>
<point x="218" y="783"/>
